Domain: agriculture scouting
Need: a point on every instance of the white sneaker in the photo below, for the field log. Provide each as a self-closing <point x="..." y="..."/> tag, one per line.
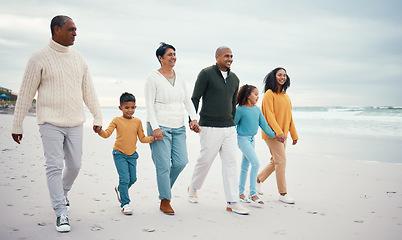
<point x="259" y="188"/>
<point x="192" y="196"/>
<point x="126" y="209"/>
<point x="62" y="224"/>
<point x="237" y="208"/>
<point x="286" y="199"/>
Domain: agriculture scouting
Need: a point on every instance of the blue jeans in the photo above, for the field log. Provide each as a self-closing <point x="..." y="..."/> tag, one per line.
<point x="247" y="146"/>
<point x="169" y="156"/>
<point x="126" y="166"/>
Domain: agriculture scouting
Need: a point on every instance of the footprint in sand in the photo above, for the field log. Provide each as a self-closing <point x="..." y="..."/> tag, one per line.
<point x="96" y="227"/>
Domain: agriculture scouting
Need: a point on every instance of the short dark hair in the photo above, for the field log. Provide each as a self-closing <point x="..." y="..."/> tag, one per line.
<point x="126" y="97"/>
<point x="162" y="49"/>
<point x="244" y="93"/>
<point x="270" y="81"/>
<point x="59" y="20"/>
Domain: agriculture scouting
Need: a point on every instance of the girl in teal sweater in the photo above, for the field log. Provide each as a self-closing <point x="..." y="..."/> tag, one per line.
<point x="247" y="120"/>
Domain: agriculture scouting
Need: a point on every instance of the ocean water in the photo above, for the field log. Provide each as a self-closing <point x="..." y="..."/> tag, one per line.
<point x="371" y="134"/>
<point x="358" y="133"/>
<point x="366" y="121"/>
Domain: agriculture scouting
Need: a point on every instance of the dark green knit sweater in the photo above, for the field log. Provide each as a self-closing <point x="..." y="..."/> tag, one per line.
<point x="218" y="97"/>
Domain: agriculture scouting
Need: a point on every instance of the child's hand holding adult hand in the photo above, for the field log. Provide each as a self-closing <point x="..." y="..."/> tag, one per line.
<point x="158" y="134"/>
<point x="97" y="129"/>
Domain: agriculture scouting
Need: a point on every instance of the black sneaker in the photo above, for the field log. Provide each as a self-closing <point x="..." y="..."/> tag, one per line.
<point x="62" y="224"/>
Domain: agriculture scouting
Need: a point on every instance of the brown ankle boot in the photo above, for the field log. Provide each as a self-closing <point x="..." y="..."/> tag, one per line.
<point x="166" y="208"/>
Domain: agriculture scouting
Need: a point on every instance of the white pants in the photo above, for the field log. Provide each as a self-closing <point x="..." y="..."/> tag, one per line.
<point x="59" y="144"/>
<point x="222" y="140"/>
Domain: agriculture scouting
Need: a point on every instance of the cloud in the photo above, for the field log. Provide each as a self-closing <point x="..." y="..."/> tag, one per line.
<point x="339" y="51"/>
<point x="9" y="43"/>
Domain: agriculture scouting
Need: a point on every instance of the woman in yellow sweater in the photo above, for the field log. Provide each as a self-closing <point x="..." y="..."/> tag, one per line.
<point x="277" y="110"/>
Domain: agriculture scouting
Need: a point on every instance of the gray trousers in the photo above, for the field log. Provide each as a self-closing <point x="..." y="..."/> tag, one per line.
<point x="59" y="144"/>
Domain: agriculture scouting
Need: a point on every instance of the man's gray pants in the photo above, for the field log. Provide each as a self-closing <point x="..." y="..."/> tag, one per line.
<point x="59" y="144"/>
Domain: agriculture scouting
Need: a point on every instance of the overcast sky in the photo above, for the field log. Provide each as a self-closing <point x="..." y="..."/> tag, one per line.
<point x="337" y="53"/>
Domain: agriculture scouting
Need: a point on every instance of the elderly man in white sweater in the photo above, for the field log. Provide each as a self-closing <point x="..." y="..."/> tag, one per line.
<point x="60" y="76"/>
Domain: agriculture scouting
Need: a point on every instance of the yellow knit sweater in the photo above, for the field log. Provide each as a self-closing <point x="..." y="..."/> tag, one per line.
<point x="277" y="110"/>
<point x="127" y="132"/>
<point x="60" y="76"/>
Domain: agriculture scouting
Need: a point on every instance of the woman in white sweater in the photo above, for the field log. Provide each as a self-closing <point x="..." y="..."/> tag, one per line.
<point x="166" y="97"/>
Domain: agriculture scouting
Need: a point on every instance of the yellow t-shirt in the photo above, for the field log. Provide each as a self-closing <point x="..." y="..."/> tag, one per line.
<point x="277" y="110"/>
<point x="126" y="136"/>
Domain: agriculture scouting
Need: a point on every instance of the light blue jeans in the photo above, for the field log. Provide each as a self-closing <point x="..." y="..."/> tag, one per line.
<point x="169" y="156"/>
<point x="247" y="146"/>
<point x="126" y="166"/>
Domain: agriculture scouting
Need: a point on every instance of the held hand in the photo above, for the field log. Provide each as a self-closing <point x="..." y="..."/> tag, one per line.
<point x="97" y="129"/>
<point x="194" y="126"/>
<point x="294" y="142"/>
<point x="158" y="134"/>
<point x="281" y="138"/>
<point x="17" y="137"/>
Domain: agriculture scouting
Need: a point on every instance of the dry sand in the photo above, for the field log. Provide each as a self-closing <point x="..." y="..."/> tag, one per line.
<point x="335" y="198"/>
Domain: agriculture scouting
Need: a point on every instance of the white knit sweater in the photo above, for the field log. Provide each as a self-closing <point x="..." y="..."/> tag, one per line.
<point x="165" y="103"/>
<point x="61" y="77"/>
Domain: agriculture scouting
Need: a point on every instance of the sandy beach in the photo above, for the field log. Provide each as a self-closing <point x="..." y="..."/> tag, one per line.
<point x="336" y="198"/>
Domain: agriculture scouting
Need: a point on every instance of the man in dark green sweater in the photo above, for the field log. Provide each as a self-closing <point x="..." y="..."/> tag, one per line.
<point x="217" y="86"/>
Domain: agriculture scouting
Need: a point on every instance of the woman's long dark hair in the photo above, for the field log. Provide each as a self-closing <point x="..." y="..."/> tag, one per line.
<point x="270" y="81"/>
<point x="244" y="92"/>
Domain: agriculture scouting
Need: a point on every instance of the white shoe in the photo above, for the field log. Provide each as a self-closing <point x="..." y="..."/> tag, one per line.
<point x="237" y="208"/>
<point x="192" y="196"/>
<point x="62" y="224"/>
<point x="126" y="209"/>
<point x="286" y="199"/>
<point x="259" y="188"/>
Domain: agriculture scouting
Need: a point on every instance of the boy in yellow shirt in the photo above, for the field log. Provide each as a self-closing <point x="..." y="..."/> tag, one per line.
<point x="124" y="150"/>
